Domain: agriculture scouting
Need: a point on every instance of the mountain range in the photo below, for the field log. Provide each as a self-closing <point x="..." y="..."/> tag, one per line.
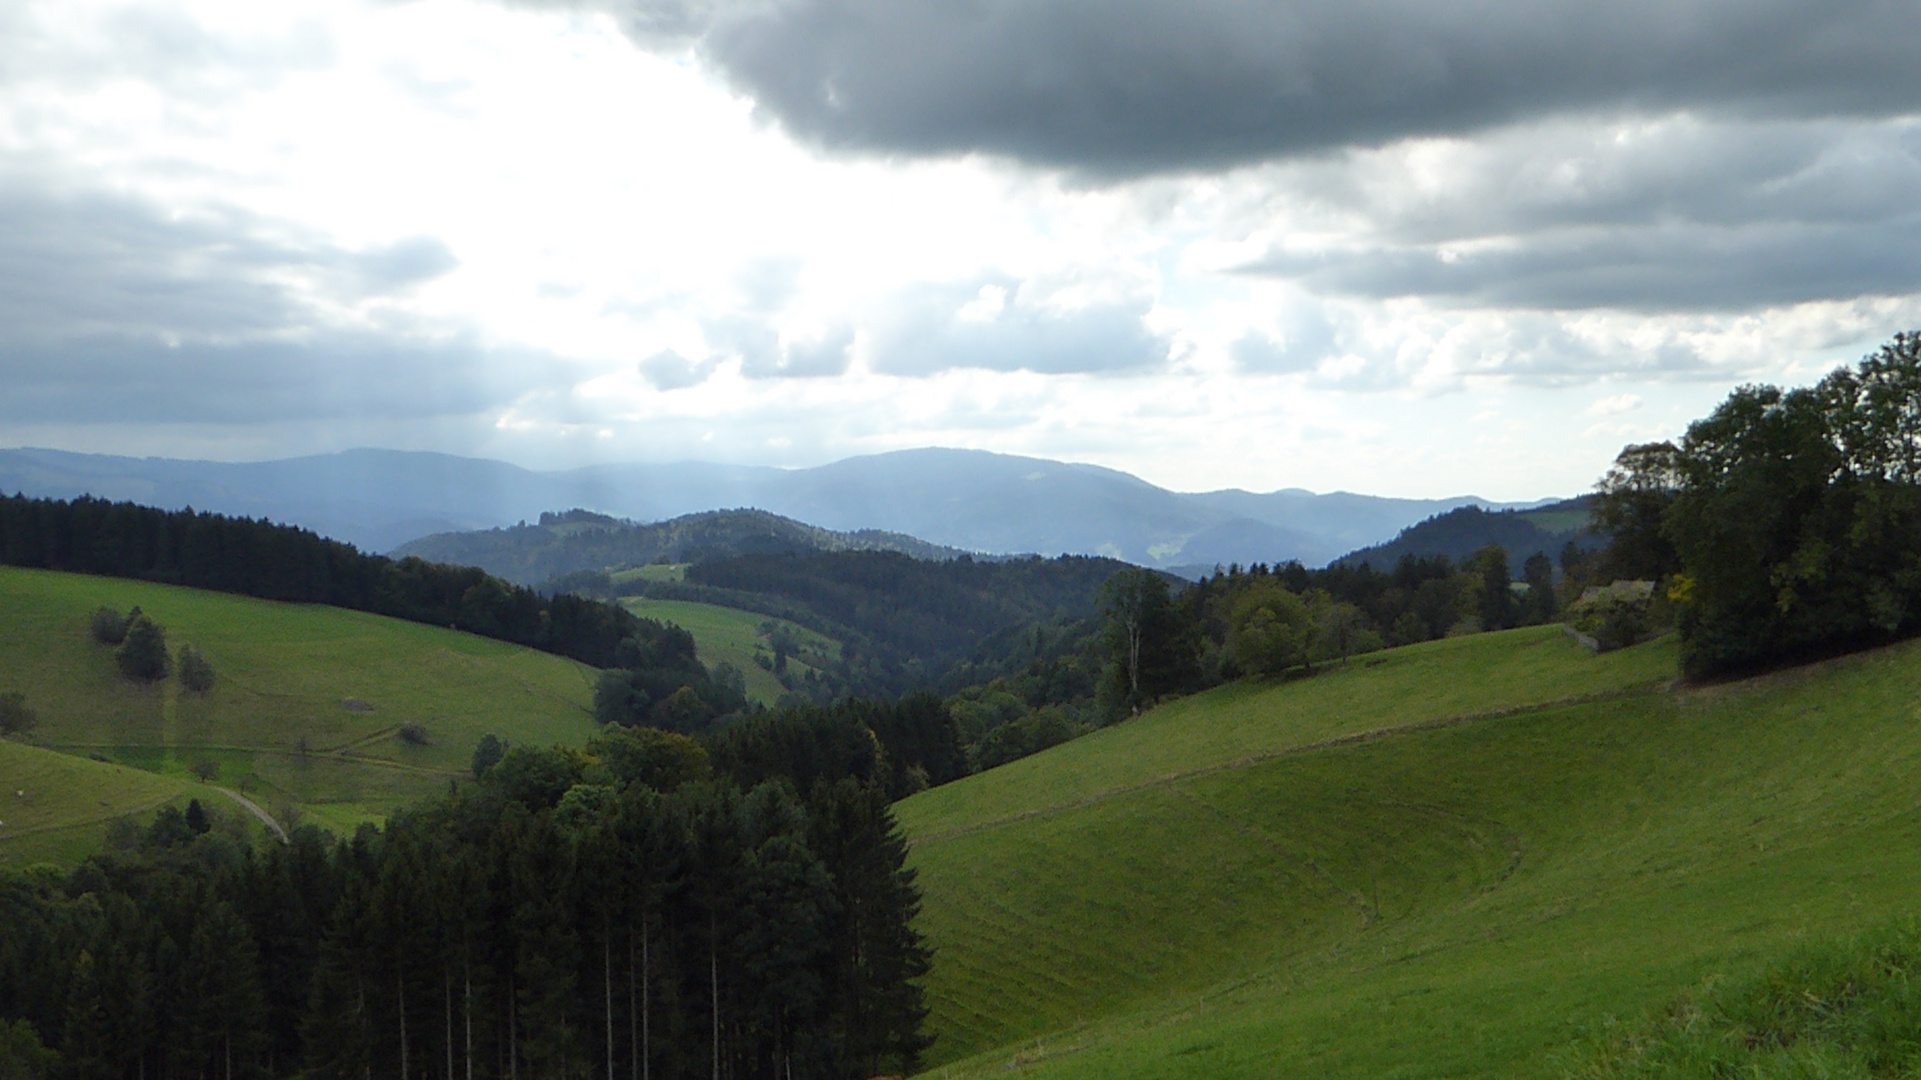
<point x="972" y="500"/>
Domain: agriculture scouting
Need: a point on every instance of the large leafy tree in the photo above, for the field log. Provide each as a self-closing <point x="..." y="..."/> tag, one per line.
<point x="1792" y="514"/>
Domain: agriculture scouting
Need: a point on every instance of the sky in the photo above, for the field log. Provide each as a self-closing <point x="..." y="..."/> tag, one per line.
<point x="1392" y="246"/>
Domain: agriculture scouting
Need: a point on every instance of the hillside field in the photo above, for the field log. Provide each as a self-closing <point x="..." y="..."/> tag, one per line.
<point x="730" y="635"/>
<point x="1461" y="858"/>
<point x="307" y="709"/>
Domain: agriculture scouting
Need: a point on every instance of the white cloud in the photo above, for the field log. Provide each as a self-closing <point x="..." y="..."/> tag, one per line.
<point x="1614" y="405"/>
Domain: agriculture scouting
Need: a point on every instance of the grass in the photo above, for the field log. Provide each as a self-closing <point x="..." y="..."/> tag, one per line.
<point x="651" y="572"/>
<point x="54" y="807"/>
<point x="308" y="701"/>
<point x="1459" y="862"/>
<point x="723" y="634"/>
<point x="1835" y="1008"/>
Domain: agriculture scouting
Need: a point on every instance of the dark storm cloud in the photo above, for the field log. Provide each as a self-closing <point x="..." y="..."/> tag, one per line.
<point x="937" y="328"/>
<point x="1681" y="217"/>
<point x="1682" y="267"/>
<point x="1124" y="87"/>
<point x="113" y="310"/>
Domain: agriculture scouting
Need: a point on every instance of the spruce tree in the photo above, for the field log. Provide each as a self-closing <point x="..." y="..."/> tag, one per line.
<point x="876" y="1001"/>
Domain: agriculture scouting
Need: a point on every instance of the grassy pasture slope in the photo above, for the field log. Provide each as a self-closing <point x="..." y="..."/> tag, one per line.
<point x="54" y="806"/>
<point x="1457" y="898"/>
<point x="729" y="634"/>
<point x="285" y="673"/>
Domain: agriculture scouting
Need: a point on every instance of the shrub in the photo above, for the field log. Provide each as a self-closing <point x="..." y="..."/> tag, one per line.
<point x="1618" y="615"/>
<point x="196" y="673"/>
<point x="109" y="626"/>
<point x="15" y="716"/>
<point x="143" y="655"/>
<point x="413" y="734"/>
<point x="488" y="754"/>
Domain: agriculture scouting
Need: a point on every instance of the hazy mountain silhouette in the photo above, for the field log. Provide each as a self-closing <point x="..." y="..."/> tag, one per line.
<point x="969" y="499"/>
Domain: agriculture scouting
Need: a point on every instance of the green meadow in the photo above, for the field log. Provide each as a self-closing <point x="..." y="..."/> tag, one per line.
<point x="305" y="716"/>
<point x="1464" y="858"/>
<point x="729" y="635"/>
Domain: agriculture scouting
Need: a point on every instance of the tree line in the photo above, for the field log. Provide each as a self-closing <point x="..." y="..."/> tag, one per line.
<point x="1783" y="525"/>
<point x="1271" y="620"/>
<point x="623" y="912"/>
<point x="281" y="562"/>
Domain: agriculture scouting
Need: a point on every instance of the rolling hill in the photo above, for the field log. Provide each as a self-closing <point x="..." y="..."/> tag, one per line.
<point x="307" y="710"/>
<point x="1462" y="531"/>
<point x="577" y="540"/>
<point x="1454" y="859"/>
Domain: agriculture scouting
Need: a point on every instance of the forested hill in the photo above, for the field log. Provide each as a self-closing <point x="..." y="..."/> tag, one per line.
<point x="281" y="562"/>
<point x="906" y="620"/>
<point x="567" y="543"/>
<point x="1461" y="532"/>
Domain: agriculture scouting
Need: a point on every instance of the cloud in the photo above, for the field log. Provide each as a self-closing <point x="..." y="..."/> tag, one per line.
<point x="1306" y="336"/>
<point x="1669" y="216"/>
<point x="1614" y="405"/>
<point x="1678" y="267"/>
<point x="112" y="309"/>
<point x="163" y="45"/>
<point x="819" y="357"/>
<point x="668" y="370"/>
<point x="1127" y="87"/>
<point x="940" y="327"/>
<point x="329" y="375"/>
<point x="93" y="263"/>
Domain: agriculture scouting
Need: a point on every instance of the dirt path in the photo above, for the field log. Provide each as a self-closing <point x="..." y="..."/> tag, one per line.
<point x="254" y="808"/>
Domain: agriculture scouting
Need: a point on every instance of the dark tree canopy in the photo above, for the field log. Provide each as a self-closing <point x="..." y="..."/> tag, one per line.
<point x="1790" y="515"/>
<point x="612" y="912"/>
<point x="143" y="655"/>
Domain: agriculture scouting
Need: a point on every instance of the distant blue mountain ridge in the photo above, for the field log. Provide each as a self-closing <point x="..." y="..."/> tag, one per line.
<point x="972" y="500"/>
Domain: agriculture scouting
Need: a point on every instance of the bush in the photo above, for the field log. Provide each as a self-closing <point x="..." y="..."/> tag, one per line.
<point x="1617" y="615"/>
<point x="143" y="655"/>
<point x="109" y="626"/>
<point x="15" y="717"/>
<point x="196" y="673"/>
<point x="413" y="734"/>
